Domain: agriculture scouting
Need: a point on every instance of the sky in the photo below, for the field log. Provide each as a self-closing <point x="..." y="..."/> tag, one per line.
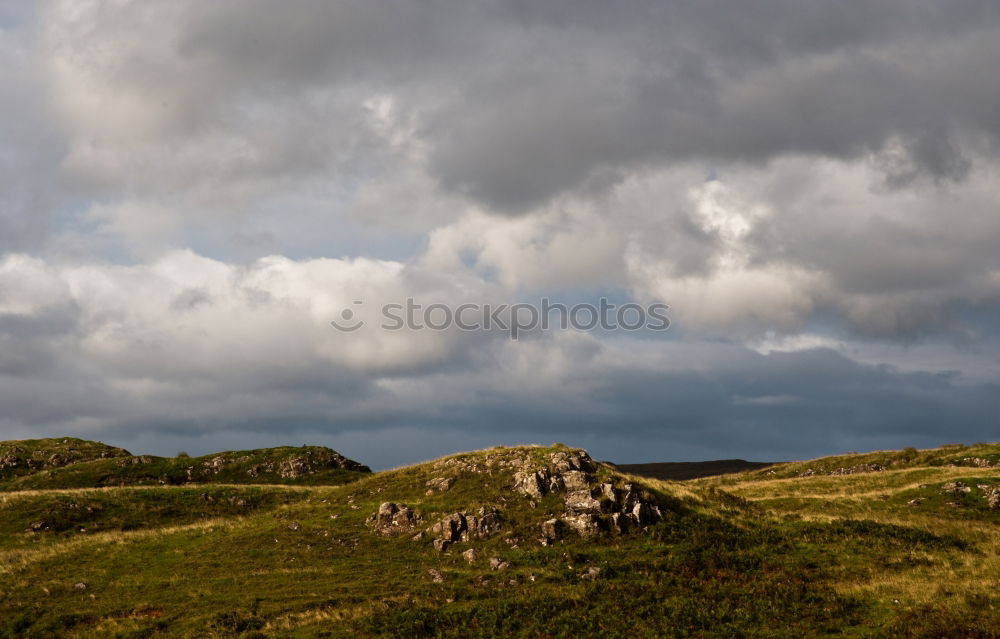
<point x="191" y="191"/>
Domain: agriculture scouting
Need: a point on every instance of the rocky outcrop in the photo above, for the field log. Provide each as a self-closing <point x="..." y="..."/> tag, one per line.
<point x="589" y="507"/>
<point x="850" y="470"/>
<point x="978" y="462"/>
<point x="992" y="496"/>
<point x="135" y="461"/>
<point x="394" y="519"/>
<point x="461" y="526"/>
<point x="592" y="500"/>
<point x="956" y="488"/>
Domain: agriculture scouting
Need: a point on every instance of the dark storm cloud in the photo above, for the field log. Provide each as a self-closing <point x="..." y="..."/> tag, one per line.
<point x="518" y="102"/>
<point x="768" y="407"/>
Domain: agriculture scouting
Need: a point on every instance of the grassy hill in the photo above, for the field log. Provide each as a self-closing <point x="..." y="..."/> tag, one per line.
<point x="525" y="541"/>
<point x="67" y="463"/>
<point x="28" y="456"/>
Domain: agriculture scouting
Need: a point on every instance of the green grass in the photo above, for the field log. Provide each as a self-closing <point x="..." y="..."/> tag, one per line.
<point x="744" y="555"/>
<point x="280" y="465"/>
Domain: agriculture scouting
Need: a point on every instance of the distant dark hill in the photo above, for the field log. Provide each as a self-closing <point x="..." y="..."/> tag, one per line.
<point x="679" y="471"/>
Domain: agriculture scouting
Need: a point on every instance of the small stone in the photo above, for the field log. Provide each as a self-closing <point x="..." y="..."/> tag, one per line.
<point x="471" y="555"/>
<point x="294" y="526"/>
<point x="590" y="573"/>
<point x="79" y="586"/>
<point x="441" y="545"/>
<point x="436" y="576"/>
<point x="498" y="564"/>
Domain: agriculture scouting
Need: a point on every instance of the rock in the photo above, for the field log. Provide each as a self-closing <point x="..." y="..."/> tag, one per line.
<point x="955" y="488"/>
<point x="498" y="564"/>
<point x="394" y="519"/>
<point x="79" y="586"/>
<point x="441" y="545"/>
<point x="585" y="525"/>
<point x="471" y="555"/>
<point x="439" y="484"/>
<point x="977" y="461"/>
<point x="556" y="484"/>
<point x="533" y="484"/>
<point x="552" y="529"/>
<point x="644" y="513"/>
<point x="37" y="526"/>
<point x="436" y="576"/>
<point x="576" y="480"/>
<point x="489" y="522"/>
<point x="580" y="501"/>
<point x="294" y="526"/>
<point x="471" y="527"/>
<point x="860" y="468"/>
<point x="993" y="497"/>
<point x="590" y="573"/>
<point x="608" y="492"/>
<point x="620" y="522"/>
<point x="450" y="528"/>
<point x="913" y="503"/>
<point x="294" y="467"/>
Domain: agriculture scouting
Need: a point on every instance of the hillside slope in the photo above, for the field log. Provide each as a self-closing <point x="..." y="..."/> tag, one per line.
<point x="87" y="465"/>
<point x="27" y="456"/>
<point x="525" y="541"/>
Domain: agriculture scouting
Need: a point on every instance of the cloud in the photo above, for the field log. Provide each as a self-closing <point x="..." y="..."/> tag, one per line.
<point x="191" y="191"/>
<point x="191" y="345"/>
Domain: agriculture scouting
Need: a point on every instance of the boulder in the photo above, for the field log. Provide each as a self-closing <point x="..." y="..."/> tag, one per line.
<point x="585" y="525"/>
<point x="576" y="480"/>
<point x="439" y="484"/>
<point x="993" y="497"/>
<point x="394" y="519"/>
<point x="489" y="522"/>
<point x="608" y="492"/>
<point x="581" y="501"/>
<point x="552" y="529"/>
<point x="450" y="528"/>
<point x="532" y="483"/>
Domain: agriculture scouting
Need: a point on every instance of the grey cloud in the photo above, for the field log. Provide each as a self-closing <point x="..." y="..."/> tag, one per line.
<point x="518" y="103"/>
